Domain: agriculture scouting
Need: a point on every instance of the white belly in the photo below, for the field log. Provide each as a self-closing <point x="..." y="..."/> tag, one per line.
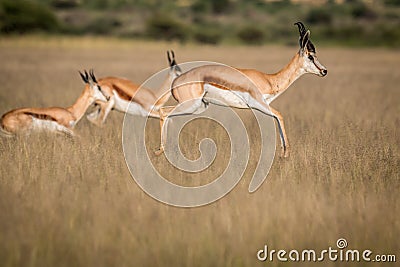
<point x="47" y="125"/>
<point x="219" y="96"/>
<point x="38" y="124"/>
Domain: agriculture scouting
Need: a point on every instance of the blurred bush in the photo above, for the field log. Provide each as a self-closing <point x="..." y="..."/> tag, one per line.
<point x="161" y="26"/>
<point x="361" y="10"/>
<point x="251" y="35"/>
<point x="392" y="2"/>
<point x="214" y="6"/>
<point x="22" y="16"/>
<point x="319" y="16"/>
<point x="102" y="25"/>
<point x="207" y="35"/>
<point x="65" y="4"/>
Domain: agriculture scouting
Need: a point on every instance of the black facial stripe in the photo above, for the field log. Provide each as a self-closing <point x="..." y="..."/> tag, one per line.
<point x="317" y="66"/>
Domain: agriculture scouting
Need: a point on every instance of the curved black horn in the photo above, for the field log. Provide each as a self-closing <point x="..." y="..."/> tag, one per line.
<point x="302" y="28"/>
<point x="173" y="62"/>
<point x="169" y="57"/>
<point x="86" y="75"/>
<point x="84" y="78"/>
<point x="92" y="75"/>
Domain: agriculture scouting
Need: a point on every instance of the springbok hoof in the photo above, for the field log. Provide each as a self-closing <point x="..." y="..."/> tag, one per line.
<point x="285" y="154"/>
<point x="159" y="151"/>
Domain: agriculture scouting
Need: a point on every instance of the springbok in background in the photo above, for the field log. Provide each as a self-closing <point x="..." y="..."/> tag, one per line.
<point x="53" y="119"/>
<point x="121" y="91"/>
<point x="256" y="90"/>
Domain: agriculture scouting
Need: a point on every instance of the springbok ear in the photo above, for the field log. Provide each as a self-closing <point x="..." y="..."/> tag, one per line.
<point x="305" y="39"/>
<point x="87" y="76"/>
<point x="84" y="77"/>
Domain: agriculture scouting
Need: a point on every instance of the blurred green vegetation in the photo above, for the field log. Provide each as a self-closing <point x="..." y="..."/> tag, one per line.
<point x="253" y="22"/>
<point x="26" y="16"/>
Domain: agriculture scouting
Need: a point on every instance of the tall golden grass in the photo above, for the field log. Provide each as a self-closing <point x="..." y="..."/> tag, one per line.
<point x="70" y="202"/>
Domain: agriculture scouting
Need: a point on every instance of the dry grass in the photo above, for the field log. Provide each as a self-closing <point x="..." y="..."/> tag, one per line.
<point x="73" y="203"/>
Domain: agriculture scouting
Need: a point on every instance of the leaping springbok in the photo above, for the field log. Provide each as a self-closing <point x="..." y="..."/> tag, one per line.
<point x="53" y="119"/>
<point x="206" y="84"/>
<point x="121" y="91"/>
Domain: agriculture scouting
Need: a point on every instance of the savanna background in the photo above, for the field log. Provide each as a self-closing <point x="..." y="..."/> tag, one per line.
<point x="66" y="202"/>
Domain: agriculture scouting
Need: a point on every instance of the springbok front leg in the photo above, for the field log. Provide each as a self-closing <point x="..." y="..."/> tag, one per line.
<point x="285" y="148"/>
<point x="108" y="106"/>
<point x="92" y="116"/>
<point x="260" y="105"/>
<point x="99" y="116"/>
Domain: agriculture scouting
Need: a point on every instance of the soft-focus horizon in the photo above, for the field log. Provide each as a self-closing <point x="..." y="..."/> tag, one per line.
<point x="255" y="22"/>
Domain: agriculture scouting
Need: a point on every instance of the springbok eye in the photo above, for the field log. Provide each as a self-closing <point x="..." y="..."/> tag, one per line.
<point x="99" y="88"/>
<point x="310" y="57"/>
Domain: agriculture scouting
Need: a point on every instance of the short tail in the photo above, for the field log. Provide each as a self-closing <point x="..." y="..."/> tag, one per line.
<point x="3" y="131"/>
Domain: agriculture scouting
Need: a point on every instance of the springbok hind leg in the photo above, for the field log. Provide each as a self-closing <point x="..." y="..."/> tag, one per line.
<point x="282" y="133"/>
<point x="194" y="106"/>
<point x="163" y="113"/>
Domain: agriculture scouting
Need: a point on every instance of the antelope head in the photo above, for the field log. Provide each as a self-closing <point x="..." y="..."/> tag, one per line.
<point x="96" y="93"/>
<point x="174" y="69"/>
<point x="310" y="63"/>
